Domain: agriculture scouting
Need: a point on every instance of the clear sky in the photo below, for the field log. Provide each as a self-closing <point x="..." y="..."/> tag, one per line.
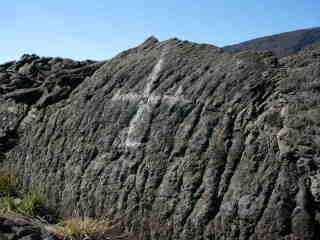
<point x="99" y="29"/>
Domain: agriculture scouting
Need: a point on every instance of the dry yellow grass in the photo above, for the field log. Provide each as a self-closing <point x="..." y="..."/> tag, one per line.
<point x="82" y="228"/>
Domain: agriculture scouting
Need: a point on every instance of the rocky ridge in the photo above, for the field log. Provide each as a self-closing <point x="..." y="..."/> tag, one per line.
<point x="281" y="45"/>
<point x="177" y="140"/>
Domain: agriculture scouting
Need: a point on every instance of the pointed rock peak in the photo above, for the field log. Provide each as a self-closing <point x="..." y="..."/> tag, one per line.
<point x="151" y="39"/>
<point x="149" y="42"/>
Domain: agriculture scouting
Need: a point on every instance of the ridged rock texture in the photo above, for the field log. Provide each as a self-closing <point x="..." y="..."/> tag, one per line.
<point x="174" y="139"/>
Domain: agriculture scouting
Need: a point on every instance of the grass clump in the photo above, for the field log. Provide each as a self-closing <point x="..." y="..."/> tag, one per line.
<point x="8" y="183"/>
<point x="83" y="228"/>
<point x="8" y="203"/>
<point x="14" y="200"/>
<point x="32" y="204"/>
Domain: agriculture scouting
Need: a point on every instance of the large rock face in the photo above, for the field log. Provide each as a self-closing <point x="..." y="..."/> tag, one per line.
<point x="174" y="139"/>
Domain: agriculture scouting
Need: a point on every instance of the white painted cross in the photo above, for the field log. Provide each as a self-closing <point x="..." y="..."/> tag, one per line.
<point x="147" y="101"/>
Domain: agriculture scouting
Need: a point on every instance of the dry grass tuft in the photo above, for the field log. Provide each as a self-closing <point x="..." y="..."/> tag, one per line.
<point x="82" y="228"/>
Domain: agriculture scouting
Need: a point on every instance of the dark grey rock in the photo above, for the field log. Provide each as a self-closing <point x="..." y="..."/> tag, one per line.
<point x="17" y="228"/>
<point x="174" y="140"/>
<point x="48" y="236"/>
<point x="22" y="231"/>
<point x="31" y="237"/>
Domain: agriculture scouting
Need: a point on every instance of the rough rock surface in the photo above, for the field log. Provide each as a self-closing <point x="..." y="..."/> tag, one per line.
<point x="281" y="45"/>
<point x="22" y="228"/>
<point x="175" y="139"/>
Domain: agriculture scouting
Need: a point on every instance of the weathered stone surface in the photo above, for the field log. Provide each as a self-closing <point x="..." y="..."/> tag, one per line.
<point x="177" y="140"/>
<point x="22" y="228"/>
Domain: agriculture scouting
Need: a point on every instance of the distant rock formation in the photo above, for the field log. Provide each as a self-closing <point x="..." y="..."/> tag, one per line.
<point x="176" y="140"/>
<point x="282" y="44"/>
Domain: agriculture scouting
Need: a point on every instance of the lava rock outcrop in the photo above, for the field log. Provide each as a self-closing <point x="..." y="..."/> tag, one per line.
<point x="175" y="139"/>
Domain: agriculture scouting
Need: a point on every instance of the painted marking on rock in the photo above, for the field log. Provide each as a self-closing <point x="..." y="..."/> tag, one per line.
<point x="147" y="101"/>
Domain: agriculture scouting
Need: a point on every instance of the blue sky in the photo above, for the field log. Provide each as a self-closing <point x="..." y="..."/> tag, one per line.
<point x="92" y="29"/>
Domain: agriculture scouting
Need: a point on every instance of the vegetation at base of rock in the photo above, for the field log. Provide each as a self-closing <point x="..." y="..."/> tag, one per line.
<point x="17" y="226"/>
<point x="7" y="203"/>
<point x="83" y="228"/>
<point x="8" y="183"/>
<point x="32" y="204"/>
<point x="12" y="198"/>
